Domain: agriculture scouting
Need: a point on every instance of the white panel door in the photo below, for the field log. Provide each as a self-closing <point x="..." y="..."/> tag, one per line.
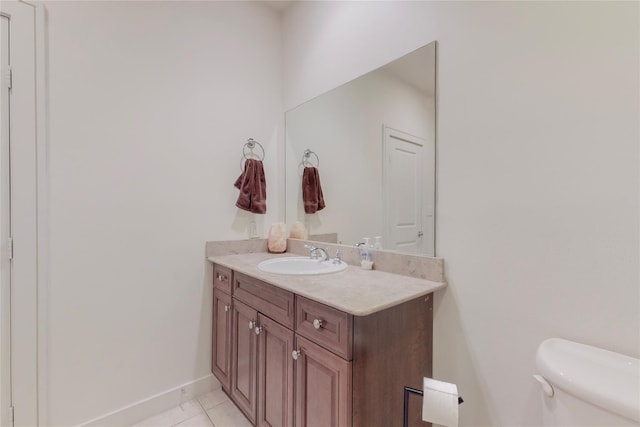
<point x="23" y="220"/>
<point x="407" y="187"/>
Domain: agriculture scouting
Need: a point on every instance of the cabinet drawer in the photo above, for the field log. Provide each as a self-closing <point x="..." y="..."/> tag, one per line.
<point x="269" y="300"/>
<point x="330" y="328"/>
<point x="222" y="278"/>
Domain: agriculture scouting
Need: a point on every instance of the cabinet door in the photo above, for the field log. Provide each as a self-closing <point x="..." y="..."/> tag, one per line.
<point x="244" y="359"/>
<point x="275" y="374"/>
<point x="323" y="387"/>
<point x="221" y="351"/>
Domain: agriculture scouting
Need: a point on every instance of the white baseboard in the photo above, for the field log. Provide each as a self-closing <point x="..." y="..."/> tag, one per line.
<point x="138" y="411"/>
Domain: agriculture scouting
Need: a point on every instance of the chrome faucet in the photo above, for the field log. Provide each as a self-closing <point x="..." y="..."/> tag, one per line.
<point x="313" y="253"/>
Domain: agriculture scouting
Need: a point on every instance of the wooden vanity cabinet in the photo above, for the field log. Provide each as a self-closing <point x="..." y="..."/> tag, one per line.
<point x="275" y="374"/>
<point x="221" y="336"/>
<point x="297" y="363"/>
<point x="323" y="387"/>
<point x="221" y="351"/>
<point x="269" y="300"/>
<point x="391" y="349"/>
<point x="222" y="278"/>
<point x="244" y="359"/>
<point x="262" y="366"/>
<point x="325" y="326"/>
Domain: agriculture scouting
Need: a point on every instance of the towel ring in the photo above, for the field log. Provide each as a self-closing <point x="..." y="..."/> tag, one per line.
<point x="305" y="159"/>
<point x="251" y="144"/>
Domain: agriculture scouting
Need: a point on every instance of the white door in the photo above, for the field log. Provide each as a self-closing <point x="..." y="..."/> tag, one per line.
<point x="408" y="184"/>
<point x="5" y="263"/>
<point x="18" y="276"/>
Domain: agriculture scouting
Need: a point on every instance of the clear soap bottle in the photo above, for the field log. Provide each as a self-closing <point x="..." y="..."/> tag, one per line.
<point x="366" y="254"/>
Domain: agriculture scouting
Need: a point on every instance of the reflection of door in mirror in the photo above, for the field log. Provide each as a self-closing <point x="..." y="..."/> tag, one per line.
<point x="407" y="173"/>
<point x="345" y="128"/>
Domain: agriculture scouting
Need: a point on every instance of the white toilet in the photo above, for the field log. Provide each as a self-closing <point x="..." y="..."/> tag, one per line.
<point x="587" y="386"/>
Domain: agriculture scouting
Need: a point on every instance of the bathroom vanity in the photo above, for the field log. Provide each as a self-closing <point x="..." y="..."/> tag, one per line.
<point x="326" y="350"/>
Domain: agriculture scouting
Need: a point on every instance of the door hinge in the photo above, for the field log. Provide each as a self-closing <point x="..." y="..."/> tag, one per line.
<point x="11" y="415"/>
<point x="10" y="247"/>
<point x="9" y="78"/>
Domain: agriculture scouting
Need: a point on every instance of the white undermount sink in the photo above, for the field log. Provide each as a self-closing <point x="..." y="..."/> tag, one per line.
<point x="300" y="266"/>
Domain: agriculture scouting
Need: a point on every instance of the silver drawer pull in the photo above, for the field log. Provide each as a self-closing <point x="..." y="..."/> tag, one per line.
<point x="318" y="323"/>
<point x="251" y="324"/>
<point x="222" y="277"/>
<point x="227" y="307"/>
<point x="258" y="329"/>
<point x="295" y="354"/>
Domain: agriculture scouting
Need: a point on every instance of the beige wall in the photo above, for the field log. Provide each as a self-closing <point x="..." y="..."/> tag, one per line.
<point x="537" y="210"/>
<point x="150" y="104"/>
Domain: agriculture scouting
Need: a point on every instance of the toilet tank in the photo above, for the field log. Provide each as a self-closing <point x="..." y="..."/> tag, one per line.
<point x="587" y="386"/>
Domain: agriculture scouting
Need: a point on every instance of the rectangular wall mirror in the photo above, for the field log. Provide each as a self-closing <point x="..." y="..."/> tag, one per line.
<point x="373" y="143"/>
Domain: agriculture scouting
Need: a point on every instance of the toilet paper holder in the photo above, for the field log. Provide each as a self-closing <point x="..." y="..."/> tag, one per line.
<point x="411" y="390"/>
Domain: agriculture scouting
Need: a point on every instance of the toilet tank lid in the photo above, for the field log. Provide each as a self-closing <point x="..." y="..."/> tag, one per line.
<point x="600" y="377"/>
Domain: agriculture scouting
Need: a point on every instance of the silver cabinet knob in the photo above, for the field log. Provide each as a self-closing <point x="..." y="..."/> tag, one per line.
<point x="258" y="329"/>
<point x="227" y="307"/>
<point x="295" y="354"/>
<point x="318" y="323"/>
<point x="251" y="324"/>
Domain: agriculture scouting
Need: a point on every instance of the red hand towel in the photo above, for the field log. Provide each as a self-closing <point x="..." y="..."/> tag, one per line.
<point x="312" y="191"/>
<point x="253" y="188"/>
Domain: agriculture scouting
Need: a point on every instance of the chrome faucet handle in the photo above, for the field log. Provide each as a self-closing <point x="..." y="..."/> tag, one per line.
<point x="337" y="259"/>
<point x="313" y="251"/>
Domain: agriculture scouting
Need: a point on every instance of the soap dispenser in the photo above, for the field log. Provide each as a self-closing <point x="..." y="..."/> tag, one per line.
<point x="366" y="254"/>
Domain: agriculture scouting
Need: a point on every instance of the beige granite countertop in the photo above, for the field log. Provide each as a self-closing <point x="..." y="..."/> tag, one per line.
<point x="355" y="290"/>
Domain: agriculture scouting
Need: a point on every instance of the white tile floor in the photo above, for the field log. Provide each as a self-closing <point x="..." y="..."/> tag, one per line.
<point x="213" y="409"/>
